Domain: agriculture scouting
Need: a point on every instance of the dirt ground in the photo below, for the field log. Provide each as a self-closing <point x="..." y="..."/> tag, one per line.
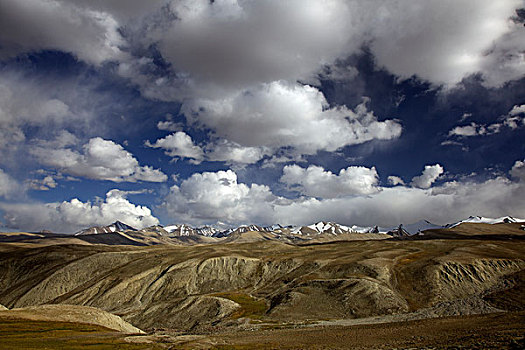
<point x="494" y="331"/>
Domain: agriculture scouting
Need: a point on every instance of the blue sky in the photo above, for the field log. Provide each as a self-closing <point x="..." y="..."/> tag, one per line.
<point x="235" y="112"/>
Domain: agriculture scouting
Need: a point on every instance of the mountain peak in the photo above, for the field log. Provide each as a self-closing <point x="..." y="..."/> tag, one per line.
<point x="117" y="226"/>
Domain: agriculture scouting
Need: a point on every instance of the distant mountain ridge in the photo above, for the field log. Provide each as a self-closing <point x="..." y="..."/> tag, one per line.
<point x="484" y="220"/>
<point x="315" y="229"/>
<point x="117" y="226"/>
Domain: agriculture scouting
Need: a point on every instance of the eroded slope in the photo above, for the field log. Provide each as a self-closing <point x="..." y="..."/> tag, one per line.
<point x="203" y="286"/>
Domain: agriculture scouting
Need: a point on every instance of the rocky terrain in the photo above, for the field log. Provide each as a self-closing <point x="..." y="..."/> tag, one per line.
<point x="256" y="280"/>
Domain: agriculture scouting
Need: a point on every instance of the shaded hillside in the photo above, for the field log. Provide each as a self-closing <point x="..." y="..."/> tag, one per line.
<point x="204" y="287"/>
<point x="478" y="231"/>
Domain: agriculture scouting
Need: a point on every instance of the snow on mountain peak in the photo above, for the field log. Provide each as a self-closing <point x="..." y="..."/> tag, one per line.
<point x="117" y="226"/>
<point x="484" y="220"/>
<point x="318" y="228"/>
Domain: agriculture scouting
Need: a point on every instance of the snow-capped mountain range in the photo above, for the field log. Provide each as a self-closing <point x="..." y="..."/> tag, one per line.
<point x="322" y="227"/>
<point x="483" y="220"/>
<point x="117" y="226"/>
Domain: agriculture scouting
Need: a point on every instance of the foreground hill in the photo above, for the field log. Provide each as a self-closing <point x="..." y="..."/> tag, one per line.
<point x="70" y="313"/>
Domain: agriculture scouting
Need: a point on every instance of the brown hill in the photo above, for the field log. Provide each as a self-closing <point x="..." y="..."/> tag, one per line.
<point x="477" y="230"/>
<point x="71" y="313"/>
<point x="206" y="287"/>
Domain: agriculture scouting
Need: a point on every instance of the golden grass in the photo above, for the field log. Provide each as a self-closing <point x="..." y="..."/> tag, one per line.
<point x="250" y="306"/>
<point x="28" y="335"/>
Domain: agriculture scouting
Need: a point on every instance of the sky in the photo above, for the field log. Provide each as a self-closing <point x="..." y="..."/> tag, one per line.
<point x="231" y="112"/>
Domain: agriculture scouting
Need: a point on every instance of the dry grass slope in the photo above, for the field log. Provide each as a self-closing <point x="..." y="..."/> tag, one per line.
<point x="28" y="335"/>
<point x="177" y="286"/>
<point x="71" y="313"/>
<point x="252" y="282"/>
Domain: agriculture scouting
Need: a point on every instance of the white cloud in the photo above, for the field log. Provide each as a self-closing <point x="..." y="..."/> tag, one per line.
<point x="517" y="110"/>
<point x="179" y="144"/>
<point x="237" y="44"/>
<point x="468" y="130"/>
<point x="240" y="43"/>
<point x="124" y="10"/>
<point x="445" y="41"/>
<point x="512" y="120"/>
<point x="234" y="45"/>
<point x="394" y="205"/>
<point x="231" y="152"/>
<point x="47" y="105"/>
<point x="428" y="177"/>
<point x="395" y="180"/>
<point x="317" y="182"/>
<point x="9" y="187"/>
<point x="71" y="216"/>
<point x="44" y="184"/>
<point x="33" y="25"/>
<point x="281" y="115"/>
<point x="515" y="118"/>
<point x="100" y="159"/>
<point x="518" y="170"/>
<point x="219" y="197"/>
<point x="504" y="59"/>
<point x="213" y="197"/>
<point x="169" y="125"/>
<point x="36" y="107"/>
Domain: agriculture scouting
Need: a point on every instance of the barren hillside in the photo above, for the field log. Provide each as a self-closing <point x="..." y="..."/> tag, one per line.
<point x="202" y="287"/>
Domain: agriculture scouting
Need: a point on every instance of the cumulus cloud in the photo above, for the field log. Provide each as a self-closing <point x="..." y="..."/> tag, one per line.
<point x="282" y="115"/>
<point x="231" y="152"/>
<point x="34" y="25"/>
<point x="235" y="65"/>
<point x="213" y="197"/>
<point x="395" y="180"/>
<point x="314" y="181"/>
<point x="179" y="144"/>
<point x="213" y="45"/>
<point x="169" y="125"/>
<point x="504" y="58"/>
<point x="517" y="110"/>
<point x="219" y="47"/>
<point x="468" y="130"/>
<point x="427" y="178"/>
<point x="38" y="106"/>
<point x="237" y="44"/>
<point x="445" y="41"/>
<point x="44" y="184"/>
<point x="518" y="170"/>
<point x="35" y="107"/>
<point x="71" y="216"/>
<point x="400" y="204"/>
<point x="513" y="120"/>
<point x="100" y="159"/>
<point x="9" y="187"/>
